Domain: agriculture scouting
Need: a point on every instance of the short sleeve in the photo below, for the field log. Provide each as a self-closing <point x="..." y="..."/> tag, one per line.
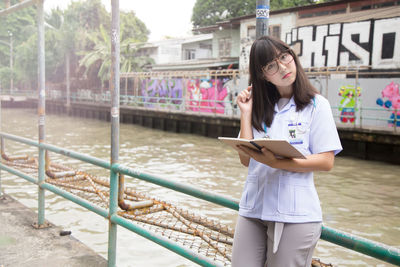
<point x="324" y="136"/>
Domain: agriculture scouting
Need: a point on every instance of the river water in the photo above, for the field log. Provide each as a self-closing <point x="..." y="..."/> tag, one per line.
<point x="357" y="196"/>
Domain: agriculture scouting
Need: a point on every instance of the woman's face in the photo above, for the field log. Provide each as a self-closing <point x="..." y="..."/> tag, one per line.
<point x="281" y="71"/>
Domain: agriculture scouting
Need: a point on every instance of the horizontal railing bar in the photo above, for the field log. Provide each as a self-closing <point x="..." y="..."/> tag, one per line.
<point x="186" y="189"/>
<point x="58" y="150"/>
<point x="20" y="139"/>
<point x="203" y="261"/>
<point x="18" y="173"/>
<point x="77" y="200"/>
<point x="362" y="245"/>
<point x="72" y="154"/>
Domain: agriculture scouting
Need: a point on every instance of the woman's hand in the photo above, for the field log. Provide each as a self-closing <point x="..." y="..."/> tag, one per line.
<point x="264" y="156"/>
<point x="316" y="162"/>
<point x="245" y="101"/>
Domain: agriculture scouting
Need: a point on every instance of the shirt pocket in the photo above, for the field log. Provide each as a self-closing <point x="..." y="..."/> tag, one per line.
<point x="296" y="199"/>
<point x="249" y="195"/>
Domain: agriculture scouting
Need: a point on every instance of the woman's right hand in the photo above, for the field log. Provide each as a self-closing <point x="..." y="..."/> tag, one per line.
<point x="245" y="101"/>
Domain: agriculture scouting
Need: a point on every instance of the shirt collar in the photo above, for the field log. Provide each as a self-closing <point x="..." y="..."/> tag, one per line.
<point x="288" y="105"/>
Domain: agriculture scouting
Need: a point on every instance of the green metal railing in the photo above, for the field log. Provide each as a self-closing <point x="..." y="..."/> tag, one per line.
<point x="362" y="245"/>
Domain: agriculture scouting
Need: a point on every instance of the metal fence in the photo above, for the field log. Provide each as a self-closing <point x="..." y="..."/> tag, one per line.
<point x="362" y="245"/>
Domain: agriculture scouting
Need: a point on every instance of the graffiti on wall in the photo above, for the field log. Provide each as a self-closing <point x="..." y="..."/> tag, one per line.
<point x="165" y="91"/>
<point x="207" y="95"/>
<point x="371" y="42"/>
<point x="391" y="100"/>
<point x="245" y="45"/>
<point x="348" y="103"/>
<point x="201" y="95"/>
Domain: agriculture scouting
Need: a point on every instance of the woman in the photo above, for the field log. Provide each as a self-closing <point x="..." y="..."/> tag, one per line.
<point x="280" y="217"/>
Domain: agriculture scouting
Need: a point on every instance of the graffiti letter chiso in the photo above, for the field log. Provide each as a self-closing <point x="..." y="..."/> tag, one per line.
<point x="371" y="42"/>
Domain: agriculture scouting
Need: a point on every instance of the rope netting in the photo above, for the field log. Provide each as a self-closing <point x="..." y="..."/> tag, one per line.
<point x="209" y="238"/>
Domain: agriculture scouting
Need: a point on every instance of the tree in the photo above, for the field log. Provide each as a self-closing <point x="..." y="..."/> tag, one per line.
<point x="208" y="12"/>
<point x="63" y="33"/>
<point x="100" y="56"/>
<point x="21" y="25"/>
<point x="281" y="4"/>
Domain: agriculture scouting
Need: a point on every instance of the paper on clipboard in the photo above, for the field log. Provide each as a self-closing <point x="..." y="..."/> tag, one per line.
<point x="280" y="148"/>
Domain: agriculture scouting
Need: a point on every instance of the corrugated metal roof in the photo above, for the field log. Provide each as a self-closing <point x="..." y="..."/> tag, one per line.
<point x="379" y="13"/>
<point x="196" y="64"/>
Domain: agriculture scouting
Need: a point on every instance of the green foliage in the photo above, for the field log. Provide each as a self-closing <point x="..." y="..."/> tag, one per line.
<point x="100" y="56"/>
<point x="281" y="4"/>
<point x="133" y="27"/>
<point x="20" y="24"/>
<point x="5" y="74"/>
<point x="208" y="12"/>
<point x="67" y="33"/>
<point x="26" y="62"/>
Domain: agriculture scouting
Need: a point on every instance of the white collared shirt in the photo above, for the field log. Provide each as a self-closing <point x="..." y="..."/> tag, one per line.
<point x="283" y="196"/>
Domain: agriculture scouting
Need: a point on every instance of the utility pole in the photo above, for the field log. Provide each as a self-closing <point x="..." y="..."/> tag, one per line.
<point x="262" y="17"/>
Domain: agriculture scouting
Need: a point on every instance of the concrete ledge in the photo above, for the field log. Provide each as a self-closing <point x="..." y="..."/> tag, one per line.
<point x="23" y="245"/>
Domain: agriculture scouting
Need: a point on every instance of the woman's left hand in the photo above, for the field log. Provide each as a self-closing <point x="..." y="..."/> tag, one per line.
<point x="264" y="156"/>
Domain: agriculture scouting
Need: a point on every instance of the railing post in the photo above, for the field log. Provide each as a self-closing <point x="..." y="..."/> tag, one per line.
<point x="115" y="99"/>
<point x="41" y="111"/>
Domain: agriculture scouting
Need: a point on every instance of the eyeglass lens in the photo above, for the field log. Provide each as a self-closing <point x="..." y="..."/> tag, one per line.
<point x="273" y="67"/>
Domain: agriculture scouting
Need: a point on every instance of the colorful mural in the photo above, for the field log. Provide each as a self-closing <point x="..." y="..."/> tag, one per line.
<point x="205" y="96"/>
<point x="202" y="95"/>
<point x="168" y="92"/>
<point x="349" y="102"/>
<point x="391" y="100"/>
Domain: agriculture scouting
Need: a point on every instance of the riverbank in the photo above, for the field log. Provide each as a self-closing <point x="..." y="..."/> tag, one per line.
<point x="23" y="245"/>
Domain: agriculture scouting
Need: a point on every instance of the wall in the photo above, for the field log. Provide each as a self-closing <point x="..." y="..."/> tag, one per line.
<point x="370" y="104"/>
<point x="286" y="21"/>
<point x="201" y="95"/>
<point x="200" y="52"/>
<point x="370" y="42"/>
<point x="227" y="33"/>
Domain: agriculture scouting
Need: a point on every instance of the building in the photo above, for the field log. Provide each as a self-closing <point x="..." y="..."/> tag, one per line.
<point x="191" y="53"/>
<point x="339" y="33"/>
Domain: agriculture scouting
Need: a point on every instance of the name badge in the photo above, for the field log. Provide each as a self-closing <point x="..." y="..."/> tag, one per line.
<point x="295" y="136"/>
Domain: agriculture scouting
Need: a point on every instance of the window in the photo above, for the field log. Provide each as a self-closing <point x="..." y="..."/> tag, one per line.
<point x="205" y="46"/>
<point x="275" y="31"/>
<point x="189" y="54"/>
<point x="224" y="47"/>
<point x="251" y="32"/>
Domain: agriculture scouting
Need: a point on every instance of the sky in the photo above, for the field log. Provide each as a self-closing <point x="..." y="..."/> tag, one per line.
<point x="162" y="17"/>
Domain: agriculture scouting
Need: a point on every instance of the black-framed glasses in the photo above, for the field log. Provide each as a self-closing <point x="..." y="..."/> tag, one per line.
<point x="273" y="67"/>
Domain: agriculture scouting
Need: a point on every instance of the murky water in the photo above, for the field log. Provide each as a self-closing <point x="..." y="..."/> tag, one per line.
<point x="357" y="196"/>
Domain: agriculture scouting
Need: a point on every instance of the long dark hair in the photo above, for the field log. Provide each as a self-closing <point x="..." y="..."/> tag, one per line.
<point x="265" y="94"/>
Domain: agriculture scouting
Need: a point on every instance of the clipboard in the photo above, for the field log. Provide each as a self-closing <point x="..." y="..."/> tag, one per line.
<point x="280" y="148"/>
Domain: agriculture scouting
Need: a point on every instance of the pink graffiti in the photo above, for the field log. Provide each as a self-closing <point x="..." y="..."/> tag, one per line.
<point x="391" y="90"/>
<point x="205" y="97"/>
<point x="392" y="94"/>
